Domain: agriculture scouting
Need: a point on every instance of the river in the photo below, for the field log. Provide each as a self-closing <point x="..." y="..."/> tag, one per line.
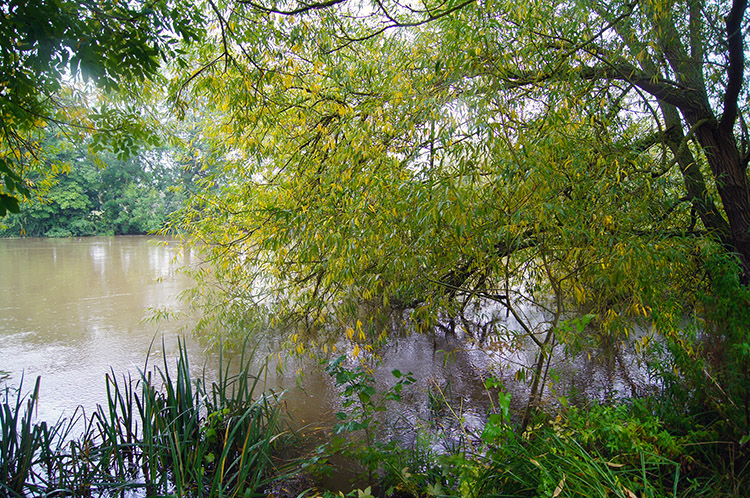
<point x="72" y="310"/>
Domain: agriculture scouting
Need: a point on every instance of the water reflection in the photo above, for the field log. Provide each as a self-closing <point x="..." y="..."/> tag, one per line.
<point x="71" y="311"/>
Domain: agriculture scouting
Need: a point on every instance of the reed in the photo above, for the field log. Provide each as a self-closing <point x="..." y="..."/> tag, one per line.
<point x="20" y="439"/>
<point x="163" y="432"/>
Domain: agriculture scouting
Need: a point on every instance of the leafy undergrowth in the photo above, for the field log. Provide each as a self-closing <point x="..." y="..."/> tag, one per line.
<point x="632" y="449"/>
<point x="184" y="438"/>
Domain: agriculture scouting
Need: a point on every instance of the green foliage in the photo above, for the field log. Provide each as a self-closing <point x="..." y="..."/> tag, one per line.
<point x="12" y="183"/>
<point x="415" y="171"/>
<point x="626" y="449"/>
<point x="134" y="196"/>
<point x="183" y="437"/>
<point x="703" y="359"/>
<point x="621" y="431"/>
<point x="27" y="447"/>
<point x="360" y="395"/>
<point x="574" y="456"/>
<point x="19" y="440"/>
<point x="363" y="409"/>
<point x="374" y="163"/>
<point x="51" y="48"/>
<point x="618" y="450"/>
<point x="549" y="465"/>
<point x="467" y="160"/>
<point x="498" y="423"/>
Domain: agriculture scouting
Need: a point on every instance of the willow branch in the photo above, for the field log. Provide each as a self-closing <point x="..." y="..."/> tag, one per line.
<point x="306" y="7"/>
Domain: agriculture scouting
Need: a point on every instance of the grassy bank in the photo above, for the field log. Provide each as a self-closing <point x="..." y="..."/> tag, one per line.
<point x="167" y="434"/>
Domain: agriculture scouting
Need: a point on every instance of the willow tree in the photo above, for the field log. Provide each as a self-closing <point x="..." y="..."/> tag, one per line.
<point x="578" y="159"/>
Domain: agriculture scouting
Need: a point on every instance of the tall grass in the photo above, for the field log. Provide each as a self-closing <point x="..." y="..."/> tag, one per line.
<point x="553" y="465"/>
<point x="20" y="439"/>
<point x="163" y="432"/>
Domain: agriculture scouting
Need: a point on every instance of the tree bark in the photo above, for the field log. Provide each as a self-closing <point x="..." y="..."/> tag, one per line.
<point x="728" y="170"/>
<point x="695" y="183"/>
<point x="715" y="135"/>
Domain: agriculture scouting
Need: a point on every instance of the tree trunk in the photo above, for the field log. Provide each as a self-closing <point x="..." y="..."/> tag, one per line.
<point x="728" y="169"/>
<point x="695" y="184"/>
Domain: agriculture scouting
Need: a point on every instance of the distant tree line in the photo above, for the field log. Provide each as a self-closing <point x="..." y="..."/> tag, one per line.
<point x="102" y="195"/>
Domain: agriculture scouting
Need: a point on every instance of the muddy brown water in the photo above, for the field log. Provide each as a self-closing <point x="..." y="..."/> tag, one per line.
<point x="72" y="310"/>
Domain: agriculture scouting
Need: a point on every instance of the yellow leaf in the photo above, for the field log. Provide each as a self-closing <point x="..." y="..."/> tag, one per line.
<point x="629" y="493"/>
<point x="559" y="487"/>
<point x="579" y="293"/>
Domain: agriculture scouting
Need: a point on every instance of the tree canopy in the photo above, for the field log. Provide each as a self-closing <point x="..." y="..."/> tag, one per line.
<point x="585" y="160"/>
<point x="382" y="150"/>
<point x="49" y="48"/>
<point x="445" y="162"/>
<point x="125" y="197"/>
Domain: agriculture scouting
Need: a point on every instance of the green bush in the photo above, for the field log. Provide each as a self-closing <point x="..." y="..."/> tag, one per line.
<point x="58" y="232"/>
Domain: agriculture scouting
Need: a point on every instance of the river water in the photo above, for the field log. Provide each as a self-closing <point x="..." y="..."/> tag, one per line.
<point x="72" y="310"/>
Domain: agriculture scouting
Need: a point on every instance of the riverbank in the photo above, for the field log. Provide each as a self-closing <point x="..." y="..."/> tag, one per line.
<point x="170" y="434"/>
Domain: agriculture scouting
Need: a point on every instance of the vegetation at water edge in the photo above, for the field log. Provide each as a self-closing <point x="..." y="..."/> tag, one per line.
<point x="570" y="174"/>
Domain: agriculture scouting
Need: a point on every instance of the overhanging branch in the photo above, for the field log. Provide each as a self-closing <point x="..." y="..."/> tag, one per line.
<point x="736" y="64"/>
<point x="661" y="88"/>
<point x="305" y="7"/>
